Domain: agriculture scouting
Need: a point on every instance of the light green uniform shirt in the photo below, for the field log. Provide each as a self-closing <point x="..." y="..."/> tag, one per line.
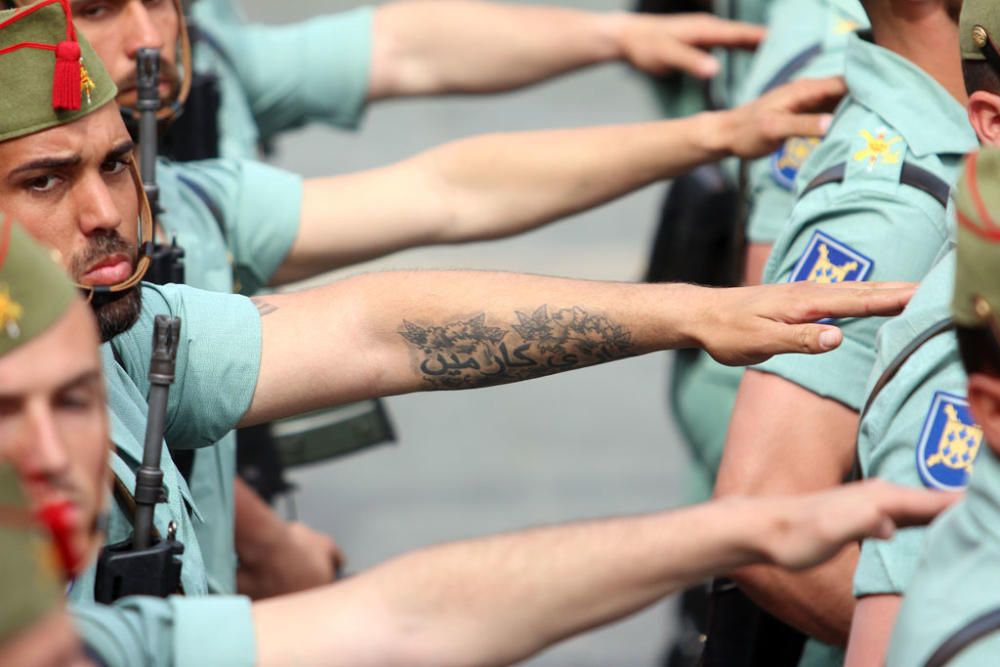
<point x="233" y="218"/>
<point x="277" y="78"/>
<point x="806" y="39"/>
<point x="870" y="226"/>
<point x="908" y="425"/>
<point x="220" y="347"/>
<point x="957" y="578"/>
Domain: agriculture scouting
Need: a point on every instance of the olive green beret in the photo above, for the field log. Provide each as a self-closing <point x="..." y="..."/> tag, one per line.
<point x="49" y="75"/>
<point x="28" y="567"/>
<point x="979" y="25"/>
<point x="977" y="279"/>
<point x="34" y="292"/>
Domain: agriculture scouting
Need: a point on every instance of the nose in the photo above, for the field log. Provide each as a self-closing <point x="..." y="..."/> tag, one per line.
<point x="40" y="454"/>
<point x="95" y="204"/>
<point x="142" y="31"/>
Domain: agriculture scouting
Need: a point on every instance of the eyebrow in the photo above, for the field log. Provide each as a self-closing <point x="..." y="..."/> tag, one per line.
<point x="118" y="152"/>
<point x="87" y="377"/>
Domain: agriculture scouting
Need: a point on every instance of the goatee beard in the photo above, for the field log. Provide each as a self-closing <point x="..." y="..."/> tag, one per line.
<point x="117" y="312"/>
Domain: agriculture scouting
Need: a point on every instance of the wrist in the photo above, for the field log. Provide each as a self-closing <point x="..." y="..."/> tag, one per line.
<point x="717" y="133"/>
<point x="692" y="306"/>
<point x="611" y="30"/>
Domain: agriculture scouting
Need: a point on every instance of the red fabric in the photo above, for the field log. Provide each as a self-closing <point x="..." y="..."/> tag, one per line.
<point x="68" y="78"/>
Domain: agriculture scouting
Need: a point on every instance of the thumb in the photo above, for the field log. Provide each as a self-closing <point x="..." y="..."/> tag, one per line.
<point x="811" y="338"/>
<point x="803" y="124"/>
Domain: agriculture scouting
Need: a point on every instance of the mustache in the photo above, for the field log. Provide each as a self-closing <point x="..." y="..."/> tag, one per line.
<point x="168" y="72"/>
<point x="101" y="246"/>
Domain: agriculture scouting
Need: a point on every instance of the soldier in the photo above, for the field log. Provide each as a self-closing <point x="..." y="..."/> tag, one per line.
<point x="871" y="205"/>
<point x="918" y="403"/>
<point x="245" y="225"/>
<point x="69" y="174"/>
<point x="956" y="578"/>
<point x="465" y="603"/>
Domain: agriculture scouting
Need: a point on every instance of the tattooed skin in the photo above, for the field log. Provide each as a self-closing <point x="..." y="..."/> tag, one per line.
<point x="469" y="353"/>
<point x="263" y="307"/>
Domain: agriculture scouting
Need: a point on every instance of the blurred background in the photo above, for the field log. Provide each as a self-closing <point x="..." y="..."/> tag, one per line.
<point x="588" y="444"/>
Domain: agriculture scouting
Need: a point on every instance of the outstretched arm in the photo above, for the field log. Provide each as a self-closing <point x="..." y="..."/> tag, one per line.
<point x="504" y="184"/>
<point x="499" y="600"/>
<point x="397" y="332"/>
<point x="448" y="46"/>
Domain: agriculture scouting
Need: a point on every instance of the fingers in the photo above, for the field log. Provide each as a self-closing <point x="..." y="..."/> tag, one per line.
<point x="711" y="31"/>
<point x="810" y="94"/>
<point x="852" y="300"/>
<point x="909" y="507"/>
<point x="805" y="339"/>
<point x="689" y="59"/>
<point x="800" y="125"/>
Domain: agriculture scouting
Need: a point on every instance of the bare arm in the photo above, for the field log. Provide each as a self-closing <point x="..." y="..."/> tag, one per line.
<point x="813" y="440"/>
<point x="499" y="600"/>
<point x="447" y="46"/>
<point x="397" y="332"/>
<point x="500" y="185"/>
<point x="874" y="618"/>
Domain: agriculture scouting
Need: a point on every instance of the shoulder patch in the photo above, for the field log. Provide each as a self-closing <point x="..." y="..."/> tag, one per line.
<point x="878" y="148"/>
<point x="949" y="443"/>
<point x="826" y="260"/>
<point x="787" y="160"/>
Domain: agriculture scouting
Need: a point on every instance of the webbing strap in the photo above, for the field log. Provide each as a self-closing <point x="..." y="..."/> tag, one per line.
<point x="978" y="629"/>
<point x="792" y="67"/>
<point x="911" y="175"/>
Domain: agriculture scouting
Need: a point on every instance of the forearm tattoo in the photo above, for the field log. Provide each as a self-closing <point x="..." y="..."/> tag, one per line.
<point x="469" y="353"/>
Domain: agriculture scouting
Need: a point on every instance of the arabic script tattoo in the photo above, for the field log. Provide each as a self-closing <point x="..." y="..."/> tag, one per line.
<point x="469" y="353"/>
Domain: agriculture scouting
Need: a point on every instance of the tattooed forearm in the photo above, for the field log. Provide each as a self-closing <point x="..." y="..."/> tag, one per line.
<point x="263" y="307"/>
<point x="469" y="353"/>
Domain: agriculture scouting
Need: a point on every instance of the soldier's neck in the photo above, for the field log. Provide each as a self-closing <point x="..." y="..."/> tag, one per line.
<point x="924" y="34"/>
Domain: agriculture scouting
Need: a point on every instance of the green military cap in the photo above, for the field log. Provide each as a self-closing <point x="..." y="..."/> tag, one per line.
<point x="28" y="567"/>
<point x="49" y="75"/>
<point x="34" y="291"/>
<point x="979" y="25"/>
<point x="977" y="279"/>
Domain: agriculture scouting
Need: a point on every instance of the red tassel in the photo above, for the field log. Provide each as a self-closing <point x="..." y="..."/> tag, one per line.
<point x="67" y="82"/>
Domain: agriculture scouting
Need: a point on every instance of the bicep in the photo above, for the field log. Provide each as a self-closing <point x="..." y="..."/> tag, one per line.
<point x="783" y="438"/>
<point x="874" y="618"/>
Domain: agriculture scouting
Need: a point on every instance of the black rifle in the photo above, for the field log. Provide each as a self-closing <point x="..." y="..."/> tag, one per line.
<point x="145" y="564"/>
<point x="168" y="260"/>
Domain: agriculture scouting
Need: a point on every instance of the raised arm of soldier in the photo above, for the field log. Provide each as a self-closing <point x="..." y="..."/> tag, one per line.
<point x="499" y="185"/>
<point x="444" y="46"/>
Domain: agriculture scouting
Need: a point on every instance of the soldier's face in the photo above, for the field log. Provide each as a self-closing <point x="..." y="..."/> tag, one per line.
<point x="71" y="187"/>
<point x="117" y="29"/>
<point x="54" y="429"/>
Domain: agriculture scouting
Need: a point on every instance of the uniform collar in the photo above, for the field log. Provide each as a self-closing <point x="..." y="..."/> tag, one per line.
<point x="918" y="107"/>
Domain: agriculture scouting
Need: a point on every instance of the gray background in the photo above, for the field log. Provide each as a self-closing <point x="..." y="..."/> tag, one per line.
<point x="588" y="444"/>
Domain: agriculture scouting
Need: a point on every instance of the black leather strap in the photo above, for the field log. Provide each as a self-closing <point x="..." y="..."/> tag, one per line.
<point x="793" y="67"/>
<point x="911" y="175"/>
<point x="981" y="627"/>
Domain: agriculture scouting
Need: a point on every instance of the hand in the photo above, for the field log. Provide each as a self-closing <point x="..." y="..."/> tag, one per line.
<point x="797" y="109"/>
<point x="662" y="44"/>
<point x="297" y="559"/>
<point x="809" y="530"/>
<point x="748" y="325"/>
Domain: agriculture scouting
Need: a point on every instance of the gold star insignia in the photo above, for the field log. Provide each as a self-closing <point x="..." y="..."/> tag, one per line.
<point x="10" y="313"/>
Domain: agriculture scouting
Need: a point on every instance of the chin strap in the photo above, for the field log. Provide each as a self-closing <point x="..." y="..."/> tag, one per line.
<point x="146" y="241"/>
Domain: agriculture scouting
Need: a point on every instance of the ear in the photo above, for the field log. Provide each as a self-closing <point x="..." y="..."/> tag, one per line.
<point x="984" y="403"/>
<point x="984" y="114"/>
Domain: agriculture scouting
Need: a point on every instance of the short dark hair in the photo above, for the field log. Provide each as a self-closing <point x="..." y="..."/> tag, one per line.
<point x="980" y="75"/>
<point x="979" y="350"/>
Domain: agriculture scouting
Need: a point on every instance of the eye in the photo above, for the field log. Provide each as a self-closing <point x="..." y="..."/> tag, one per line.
<point x="114" y="166"/>
<point x="75" y="401"/>
<point x="46" y="183"/>
<point x="93" y="10"/>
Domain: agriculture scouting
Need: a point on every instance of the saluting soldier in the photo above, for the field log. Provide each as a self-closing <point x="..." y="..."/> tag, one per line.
<point x="957" y="580"/>
<point x="245" y="225"/>
<point x="871" y="205"/>
<point x="68" y="172"/>
<point x="465" y="603"/>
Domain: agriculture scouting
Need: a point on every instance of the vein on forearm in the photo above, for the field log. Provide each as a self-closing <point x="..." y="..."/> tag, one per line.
<point x="469" y="353"/>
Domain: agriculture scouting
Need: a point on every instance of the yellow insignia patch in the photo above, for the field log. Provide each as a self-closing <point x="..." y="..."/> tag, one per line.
<point x="949" y="443"/>
<point x="10" y="313"/>
<point x="879" y="148"/>
<point x="958" y="445"/>
<point x="845" y="26"/>
<point x="826" y="272"/>
<point x="87" y="85"/>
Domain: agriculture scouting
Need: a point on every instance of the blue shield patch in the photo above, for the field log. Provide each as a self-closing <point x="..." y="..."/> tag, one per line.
<point x="787" y="160"/>
<point x="827" y="261"/>
<point x="949" y="443"/>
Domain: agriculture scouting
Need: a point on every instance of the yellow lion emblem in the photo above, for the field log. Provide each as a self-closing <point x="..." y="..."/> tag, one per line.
<point x="826" y="272"/>
<point x="87" y="85"/>
<point x="10" y="313"/>
<point x="959" y="443"/>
